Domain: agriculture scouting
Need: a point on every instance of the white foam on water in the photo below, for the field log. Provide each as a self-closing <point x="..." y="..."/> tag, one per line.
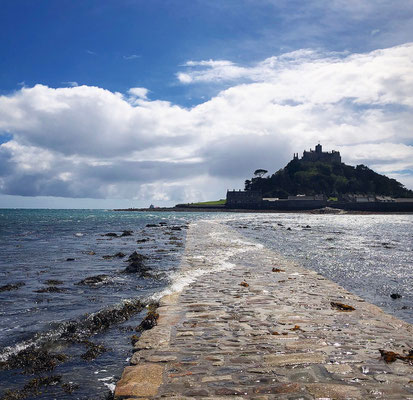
<point x="184" y="279"/>
<point x="8" y="351"/>
<point x="108" y="378"/>
<point x="100" y="370"/>
<point x="110" y="386"/>
<point x="228" y="247"/>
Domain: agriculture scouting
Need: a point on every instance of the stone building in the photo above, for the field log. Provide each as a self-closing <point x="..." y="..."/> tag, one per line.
<point x="319" y="155"/>
<point x="243" y="198"/>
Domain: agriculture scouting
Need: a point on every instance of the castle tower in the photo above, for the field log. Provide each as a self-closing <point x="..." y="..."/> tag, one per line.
<point x="319" y="155"/>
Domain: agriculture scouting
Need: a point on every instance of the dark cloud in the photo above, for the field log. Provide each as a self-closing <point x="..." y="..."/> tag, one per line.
<point x="141" y="172"/>
<point x="239" y="156"/>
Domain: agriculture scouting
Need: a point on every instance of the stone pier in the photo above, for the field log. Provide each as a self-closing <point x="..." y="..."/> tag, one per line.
<point x="252" y="325"/>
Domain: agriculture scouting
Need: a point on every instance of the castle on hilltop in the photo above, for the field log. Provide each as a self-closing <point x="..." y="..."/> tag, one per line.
<point x="319" y="155"/>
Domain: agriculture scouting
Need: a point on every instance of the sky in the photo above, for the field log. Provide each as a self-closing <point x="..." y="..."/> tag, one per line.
<point x="126" y="103"/>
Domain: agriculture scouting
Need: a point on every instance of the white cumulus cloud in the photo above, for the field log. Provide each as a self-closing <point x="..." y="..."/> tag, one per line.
<point x="86" y="141"/>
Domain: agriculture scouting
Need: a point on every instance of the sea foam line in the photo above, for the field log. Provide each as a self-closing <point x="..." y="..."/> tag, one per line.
<point x="229" y="247"/>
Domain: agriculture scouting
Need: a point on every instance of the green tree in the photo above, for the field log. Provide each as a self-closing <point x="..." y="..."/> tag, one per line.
<point x="260" y="172"/>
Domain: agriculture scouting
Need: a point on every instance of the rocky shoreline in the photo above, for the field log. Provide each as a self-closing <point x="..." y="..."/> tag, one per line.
<point x="256" y="325"/>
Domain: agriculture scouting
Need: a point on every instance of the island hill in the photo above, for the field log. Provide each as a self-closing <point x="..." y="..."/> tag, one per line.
<point x="316" y="180"/>
<point x="320" y="179"/>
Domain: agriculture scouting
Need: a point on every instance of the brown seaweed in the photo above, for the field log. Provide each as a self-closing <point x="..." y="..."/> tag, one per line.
<point x="342" y="306"/>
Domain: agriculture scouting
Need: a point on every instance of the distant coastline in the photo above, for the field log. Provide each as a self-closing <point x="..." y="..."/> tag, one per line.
<point x="325" y="210"/>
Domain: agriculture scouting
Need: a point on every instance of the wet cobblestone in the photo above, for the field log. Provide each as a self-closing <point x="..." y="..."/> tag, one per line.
<point x="279" y="337"/>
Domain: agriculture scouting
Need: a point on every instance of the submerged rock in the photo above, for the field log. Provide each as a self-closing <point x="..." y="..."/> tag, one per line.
<point x="53" y="282"/>
<point x="10" y="286"/>
<point x="33" y="360"/>
<point x="135" y="256"/>
<point x="142" y="240"/>
<point x="110" y="234"/>
<point x="135" y="267"/>
<point x="94" y="350"/>
<point x="134" y="339"/>
<point x="126" y="233"/>
<point x="77" y="331"/>
<point x="50" y="289"/>
<point x="395" y="296"/>
<point x="93" y="280"/>
<point x="32" y="388"/>
<point x="70" y="259"/>
<point x="69" y="387"/>
<point x="117" y="255"/>
<point x="150" y="320"/>
<point x="136" y="264"/>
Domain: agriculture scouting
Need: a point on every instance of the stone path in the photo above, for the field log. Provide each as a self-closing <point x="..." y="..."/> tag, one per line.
<point x="277" y="338"/>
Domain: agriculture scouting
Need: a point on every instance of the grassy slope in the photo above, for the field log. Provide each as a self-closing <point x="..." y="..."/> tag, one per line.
<point x="210" y="203"/>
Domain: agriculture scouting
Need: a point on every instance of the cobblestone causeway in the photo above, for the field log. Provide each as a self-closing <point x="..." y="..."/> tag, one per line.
<point x="253" y="325"/>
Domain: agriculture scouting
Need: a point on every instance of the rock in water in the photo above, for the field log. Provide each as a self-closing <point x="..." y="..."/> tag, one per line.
<point x="136" y="264"/>
<point x="110" y="234"/>
<point x="53" y="282"/>
<point x="150" y="320"/>
<point x="50" y="289"/>
<point x="93" y="280"/>
<point x="94" y="350"/>
<point x="9" y="287"/>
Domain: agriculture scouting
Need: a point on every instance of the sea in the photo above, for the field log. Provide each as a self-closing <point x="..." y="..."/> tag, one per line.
<point x="69" y="304"/>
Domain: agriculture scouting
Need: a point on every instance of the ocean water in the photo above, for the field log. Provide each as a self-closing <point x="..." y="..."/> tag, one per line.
<point x="46" y="254"/>
<point x="370" y="255"/>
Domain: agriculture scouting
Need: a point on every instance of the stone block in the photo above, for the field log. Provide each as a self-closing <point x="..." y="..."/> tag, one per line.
<point x="161" y="358"/>
<point x="217" y="378"/>
<point x="338" y="368"/>
<point x="185" y="334"/>
<point x="169" y="299"/>
<point x="295" y="359"/>
<point x="143" y="380"/>
<point x="156" y="338"/>
<point x="334" y="391"/>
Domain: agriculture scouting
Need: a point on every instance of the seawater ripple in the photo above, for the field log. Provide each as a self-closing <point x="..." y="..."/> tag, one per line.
<point x="369" y="255"/>
<point x="44" y="257"/>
